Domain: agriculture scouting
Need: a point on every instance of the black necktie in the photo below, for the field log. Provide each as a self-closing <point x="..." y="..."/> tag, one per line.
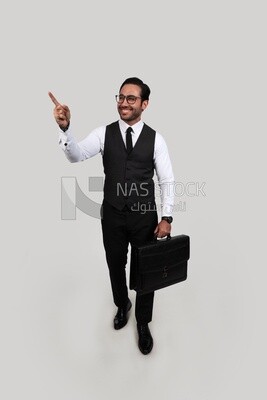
<point x="129" y="142"/>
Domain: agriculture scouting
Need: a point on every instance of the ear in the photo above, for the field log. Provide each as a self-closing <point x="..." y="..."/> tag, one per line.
<point x="144" y="104"/>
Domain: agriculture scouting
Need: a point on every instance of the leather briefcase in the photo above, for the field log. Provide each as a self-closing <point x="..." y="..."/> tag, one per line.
<point x="159" y="264"/>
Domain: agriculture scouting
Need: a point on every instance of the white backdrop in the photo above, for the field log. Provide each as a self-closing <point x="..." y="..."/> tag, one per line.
<point x="206" y="65"/>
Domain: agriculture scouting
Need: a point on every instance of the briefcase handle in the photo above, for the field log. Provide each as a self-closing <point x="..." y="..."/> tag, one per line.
<point x="168" y="237"/>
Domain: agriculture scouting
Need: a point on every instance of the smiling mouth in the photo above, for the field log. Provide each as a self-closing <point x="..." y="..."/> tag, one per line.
<point x="125" y="109"/>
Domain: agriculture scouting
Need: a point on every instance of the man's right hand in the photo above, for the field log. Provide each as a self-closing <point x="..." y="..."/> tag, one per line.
<point x="61" y="113"/>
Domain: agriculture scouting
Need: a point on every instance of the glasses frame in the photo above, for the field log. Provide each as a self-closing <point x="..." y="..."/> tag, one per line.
<point x="117" y="96"/>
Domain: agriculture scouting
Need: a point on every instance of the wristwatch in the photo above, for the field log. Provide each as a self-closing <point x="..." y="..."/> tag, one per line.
<point x="168" y="219"/>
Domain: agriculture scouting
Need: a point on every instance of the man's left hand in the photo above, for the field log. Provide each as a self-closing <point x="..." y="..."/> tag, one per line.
<point x="163" y="229"/>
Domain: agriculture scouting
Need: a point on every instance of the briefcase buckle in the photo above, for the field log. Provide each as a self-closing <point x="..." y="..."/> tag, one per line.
<point x="165" y="272"/>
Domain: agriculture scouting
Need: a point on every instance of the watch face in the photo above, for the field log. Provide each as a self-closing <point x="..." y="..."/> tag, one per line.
<point x="168" y="219"/>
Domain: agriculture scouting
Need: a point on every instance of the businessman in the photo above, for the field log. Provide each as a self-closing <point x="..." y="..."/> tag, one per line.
<point x="131" y="152"/>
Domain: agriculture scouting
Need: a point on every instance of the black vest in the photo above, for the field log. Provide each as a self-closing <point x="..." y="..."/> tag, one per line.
<point x="128" y="178"/>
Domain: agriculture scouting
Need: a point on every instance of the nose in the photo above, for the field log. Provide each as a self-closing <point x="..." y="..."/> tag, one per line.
<point x="124" y="100"/>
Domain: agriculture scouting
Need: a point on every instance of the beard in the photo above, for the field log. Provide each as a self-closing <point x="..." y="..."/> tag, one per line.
<point x="129" y="114"/>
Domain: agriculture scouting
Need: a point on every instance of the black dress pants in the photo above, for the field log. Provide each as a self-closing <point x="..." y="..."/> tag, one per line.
<point x="119" y="229"/>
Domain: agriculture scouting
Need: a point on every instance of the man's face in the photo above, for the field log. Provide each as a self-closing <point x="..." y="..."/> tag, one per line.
<point x="131" y="113"/>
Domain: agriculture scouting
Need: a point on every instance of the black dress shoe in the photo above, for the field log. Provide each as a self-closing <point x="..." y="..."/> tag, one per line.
<point x="120" y="319"/>
<point x="145" y="342"/>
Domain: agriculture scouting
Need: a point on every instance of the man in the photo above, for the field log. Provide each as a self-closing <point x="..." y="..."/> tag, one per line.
<point x="131" y="151"/>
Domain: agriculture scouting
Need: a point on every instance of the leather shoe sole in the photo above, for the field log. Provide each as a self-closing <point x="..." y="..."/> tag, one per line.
<point x="121" y="319"/>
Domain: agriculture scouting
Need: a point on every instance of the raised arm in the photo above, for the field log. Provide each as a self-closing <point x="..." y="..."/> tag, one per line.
<point x="75" y="151"/>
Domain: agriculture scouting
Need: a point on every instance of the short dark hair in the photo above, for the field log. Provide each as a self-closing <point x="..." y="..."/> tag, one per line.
<point x="145" y="91"/>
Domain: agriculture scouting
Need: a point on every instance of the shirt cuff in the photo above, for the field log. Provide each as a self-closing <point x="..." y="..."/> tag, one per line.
<point x="166" y="210"/>
<point x="64" y="138"/>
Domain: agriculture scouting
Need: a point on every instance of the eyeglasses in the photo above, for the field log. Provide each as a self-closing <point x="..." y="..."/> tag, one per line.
<point x="130" y="99"/>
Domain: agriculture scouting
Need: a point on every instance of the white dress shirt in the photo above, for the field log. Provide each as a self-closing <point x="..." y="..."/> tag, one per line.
<point x="94" y="144"/>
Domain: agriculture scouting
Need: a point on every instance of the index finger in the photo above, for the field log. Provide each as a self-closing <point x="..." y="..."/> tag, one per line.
<point x="52" y="97"/>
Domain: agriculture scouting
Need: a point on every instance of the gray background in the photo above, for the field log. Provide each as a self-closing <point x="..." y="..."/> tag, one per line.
<point x="205" y="62"/>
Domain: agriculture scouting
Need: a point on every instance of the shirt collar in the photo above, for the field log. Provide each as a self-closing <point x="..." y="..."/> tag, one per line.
<point x="136" y="127"/>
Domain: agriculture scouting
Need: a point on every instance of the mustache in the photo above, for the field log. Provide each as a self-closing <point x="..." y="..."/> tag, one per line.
<point x="125" y="108"/>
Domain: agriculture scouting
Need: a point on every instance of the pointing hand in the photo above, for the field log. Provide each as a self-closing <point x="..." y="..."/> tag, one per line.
<point x="61" y="112"/>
